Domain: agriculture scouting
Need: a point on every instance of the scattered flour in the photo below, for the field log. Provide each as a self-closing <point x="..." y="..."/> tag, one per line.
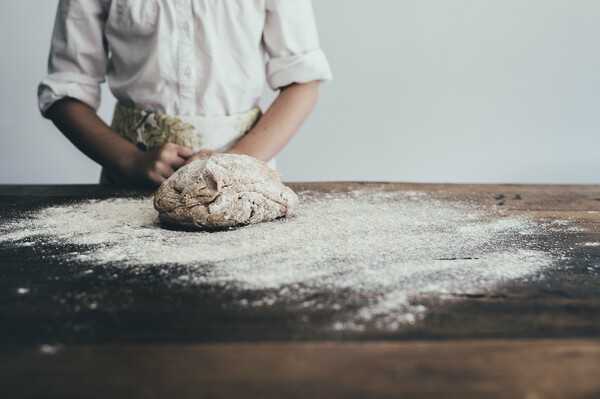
<point x="386" y="249"/>
<point x="50" y="349"/>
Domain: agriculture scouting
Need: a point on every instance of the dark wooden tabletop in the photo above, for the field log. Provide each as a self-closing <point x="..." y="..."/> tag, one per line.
<point x="531" y="339"/>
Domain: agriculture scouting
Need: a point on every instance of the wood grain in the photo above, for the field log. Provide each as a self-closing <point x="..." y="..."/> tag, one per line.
<point x="464" y="369"/>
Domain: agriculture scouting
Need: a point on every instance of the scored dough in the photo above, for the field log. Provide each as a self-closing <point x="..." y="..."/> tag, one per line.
<point x="223" y="190"/>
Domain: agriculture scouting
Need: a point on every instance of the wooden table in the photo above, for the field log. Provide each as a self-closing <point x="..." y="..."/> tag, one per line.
<point x="535" y="339"/>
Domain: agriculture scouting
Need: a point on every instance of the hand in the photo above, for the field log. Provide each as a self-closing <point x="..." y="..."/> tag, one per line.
<point x="158" y="165"/>
<point x="200" y="154"/>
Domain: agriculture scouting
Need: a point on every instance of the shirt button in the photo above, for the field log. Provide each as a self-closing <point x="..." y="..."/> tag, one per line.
<point x="185" y="26"/>
<point x="187" y="72"/>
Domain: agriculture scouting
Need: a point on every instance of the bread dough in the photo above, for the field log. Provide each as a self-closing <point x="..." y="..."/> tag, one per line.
<point x="223" y="190"/>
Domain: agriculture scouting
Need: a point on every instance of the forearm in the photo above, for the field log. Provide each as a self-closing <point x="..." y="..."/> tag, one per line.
<point x="280" y="122"/>
<point x="84" y="128"/>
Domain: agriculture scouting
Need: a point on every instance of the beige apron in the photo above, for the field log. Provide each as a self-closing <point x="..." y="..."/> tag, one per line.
<point x="150" y="130"/>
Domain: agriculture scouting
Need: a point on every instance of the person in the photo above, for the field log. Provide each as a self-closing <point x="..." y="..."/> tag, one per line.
<point x="187" y="75"/>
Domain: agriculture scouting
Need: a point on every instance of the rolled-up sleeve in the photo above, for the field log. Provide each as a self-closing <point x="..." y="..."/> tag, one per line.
<point x="292" y="43"/>
<point x="78" y="54"/>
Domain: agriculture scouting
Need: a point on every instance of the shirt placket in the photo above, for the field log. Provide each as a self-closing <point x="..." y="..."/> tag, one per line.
<point x="185" y="58"/>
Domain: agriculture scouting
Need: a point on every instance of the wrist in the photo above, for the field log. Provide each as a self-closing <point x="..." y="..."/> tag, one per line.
<point x="244" y="151"/>
<point x="247" y="145"/>
<point x="234" y="150"/>
<point x="127" y="161"/>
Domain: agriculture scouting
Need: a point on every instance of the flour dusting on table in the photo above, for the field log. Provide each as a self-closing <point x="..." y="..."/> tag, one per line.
<point x="387" y="250"/>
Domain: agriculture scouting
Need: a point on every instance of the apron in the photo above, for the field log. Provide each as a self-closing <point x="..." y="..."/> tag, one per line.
<point x="150" y="130"/>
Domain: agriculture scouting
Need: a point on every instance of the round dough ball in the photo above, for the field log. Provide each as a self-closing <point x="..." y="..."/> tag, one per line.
<point x="223" y="190"/>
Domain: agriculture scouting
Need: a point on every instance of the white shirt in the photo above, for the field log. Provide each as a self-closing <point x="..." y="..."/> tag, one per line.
<point x="181" y="57"/>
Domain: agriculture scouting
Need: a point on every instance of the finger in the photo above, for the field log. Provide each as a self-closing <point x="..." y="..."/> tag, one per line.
<point x="193" y="158"/>
<point x="177" y="162"/>
<point x="184" y="152"/>
<point x="169" y="155"/>
<point x="206" y="153"/>
<point x="188" y="161"/>
<point x="156" y="178"/>
<point x="200" y="154"/>
<point x="164" y="170"/>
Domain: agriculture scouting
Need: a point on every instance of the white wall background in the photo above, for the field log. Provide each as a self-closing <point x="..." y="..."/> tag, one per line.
<point x="424" y="91"/>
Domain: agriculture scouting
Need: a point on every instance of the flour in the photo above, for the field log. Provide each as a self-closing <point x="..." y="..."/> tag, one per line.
<point x="386" y="250"/>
